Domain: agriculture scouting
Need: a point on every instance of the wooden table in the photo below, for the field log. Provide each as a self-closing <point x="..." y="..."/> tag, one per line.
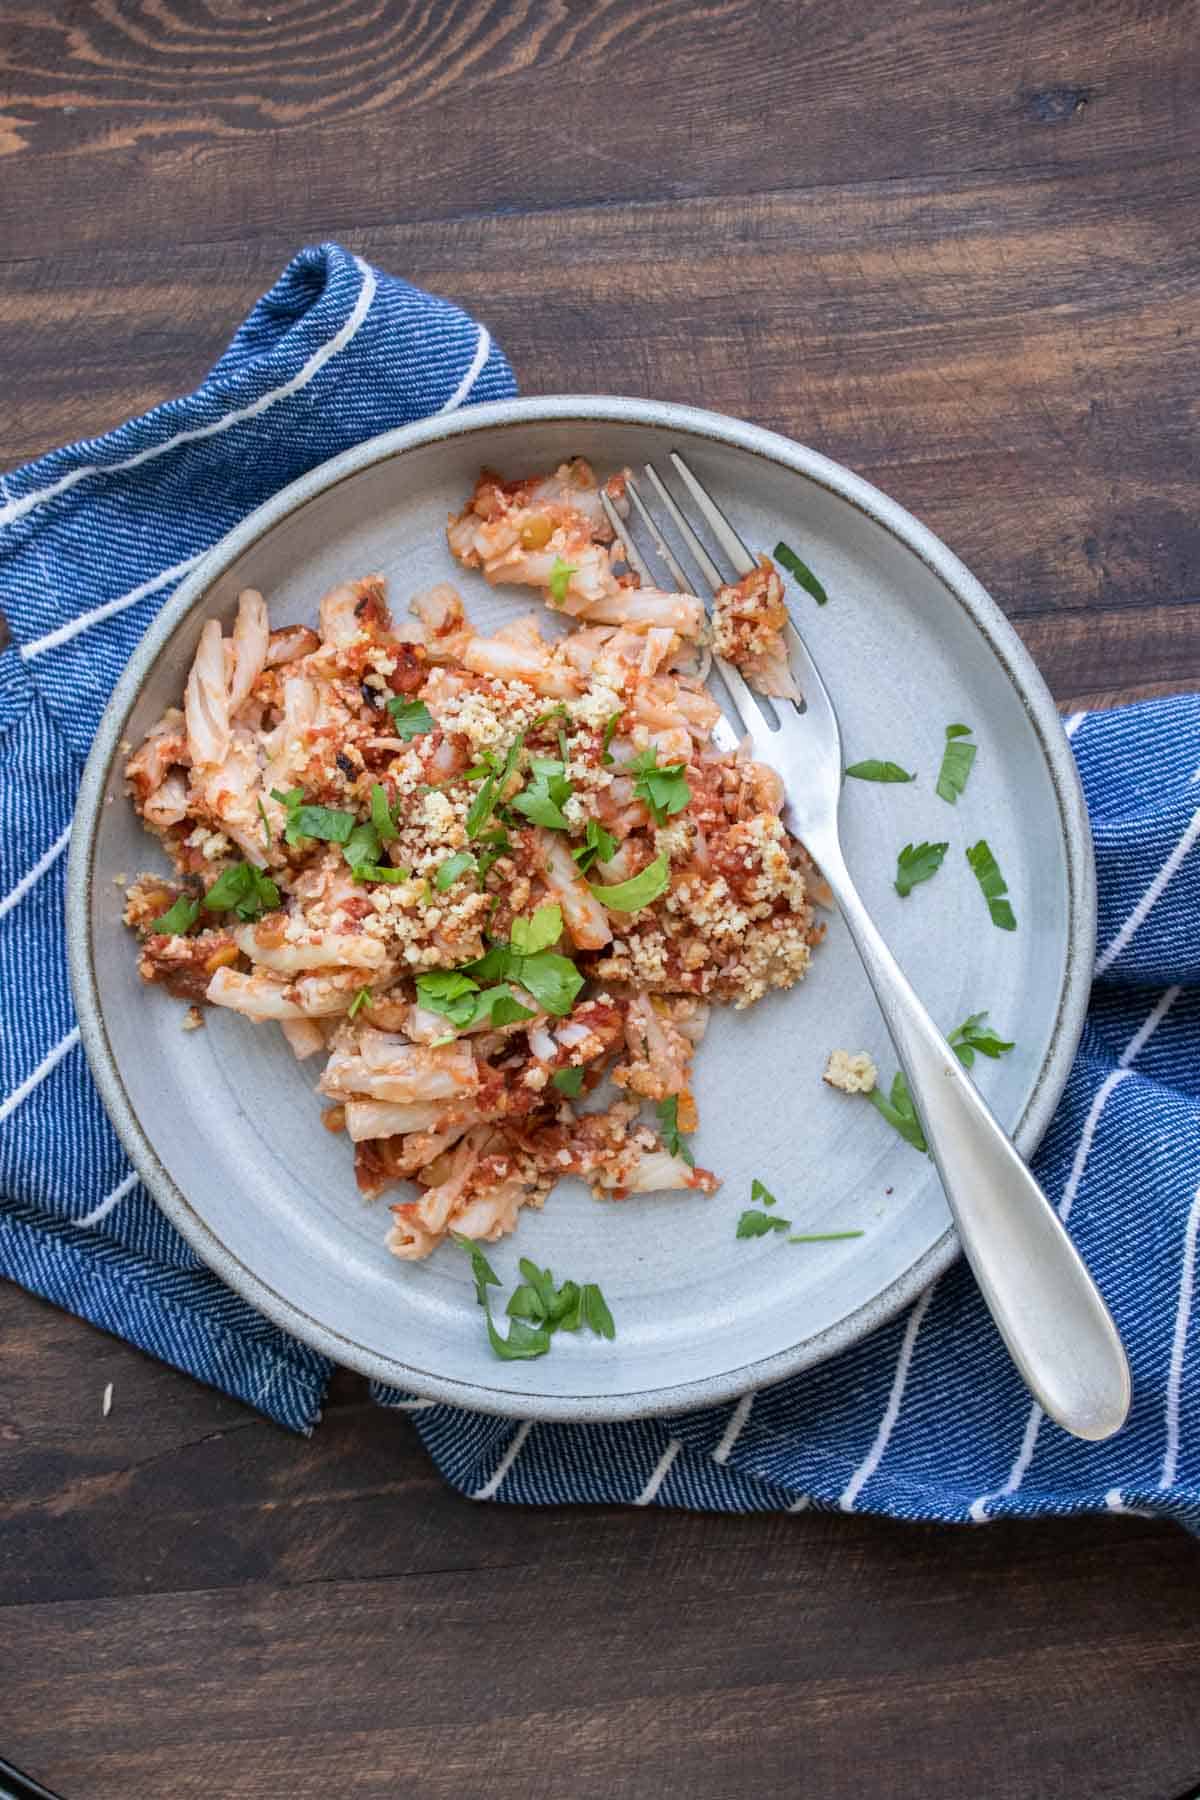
<point x="954" y="244"/>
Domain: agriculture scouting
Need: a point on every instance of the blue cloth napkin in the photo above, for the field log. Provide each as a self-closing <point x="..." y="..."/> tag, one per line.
<point x="924" y="1419"/>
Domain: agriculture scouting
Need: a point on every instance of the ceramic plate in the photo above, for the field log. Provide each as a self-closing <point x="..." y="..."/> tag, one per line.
<point x="223" y="1125"/>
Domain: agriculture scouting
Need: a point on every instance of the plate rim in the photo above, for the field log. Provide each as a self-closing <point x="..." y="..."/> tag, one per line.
<point x="959" y="585"/>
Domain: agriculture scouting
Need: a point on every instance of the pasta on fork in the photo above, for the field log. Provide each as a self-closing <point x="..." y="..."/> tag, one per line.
<point x="494" y="882"/>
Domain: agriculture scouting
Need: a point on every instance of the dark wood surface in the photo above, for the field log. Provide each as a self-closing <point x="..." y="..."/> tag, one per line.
<point x="953" y="244"/>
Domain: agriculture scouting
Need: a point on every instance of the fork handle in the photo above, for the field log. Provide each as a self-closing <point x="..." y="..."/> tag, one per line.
<point x="1046" y="1306"/>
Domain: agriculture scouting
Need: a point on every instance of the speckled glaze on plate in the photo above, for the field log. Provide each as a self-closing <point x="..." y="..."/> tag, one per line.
<point x="222" y="1124"/>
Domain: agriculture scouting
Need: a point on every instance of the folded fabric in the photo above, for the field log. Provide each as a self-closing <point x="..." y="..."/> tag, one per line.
<point x="926" y="1418"/>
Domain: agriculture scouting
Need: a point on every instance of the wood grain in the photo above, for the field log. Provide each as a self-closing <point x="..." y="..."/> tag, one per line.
<point x="951" y="245"/>
<point x="197" y="1604"/>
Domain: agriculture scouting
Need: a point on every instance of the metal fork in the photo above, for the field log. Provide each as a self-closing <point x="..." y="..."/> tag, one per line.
<point x="1045" y="1304"/>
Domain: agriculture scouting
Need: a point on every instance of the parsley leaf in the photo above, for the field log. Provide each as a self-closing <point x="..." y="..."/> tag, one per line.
<point x="554" y="981"/>
<point x="900" y="1112"/>
<point x="522" y="1343"/>
<point x="595" y="1311"/>
<point x="598" y="846"/>
<point x="760" y="1193"/>
<point x="823" y="1237"/>
<point x="243" y="889"/>
<point x="454" y="866"/>
<point x="873" y="770"/>
<point x="568" y="1081"/>
<point x="640" y="890"/>
<point x="178" y="918"/>
<point x="917" y="863"/>
<point x="528" y="936"/>
<point x="380" y="872"/>
<point x="493" y="846"/>
<point x="412" y="718"/>
<point x="787" y="556"/>
<point x="610" y="731"/>
<point x="501" y="1005"/>
<point x="481" y="1268"/>
<point x="956" y="763"/>
<point x="536" y="1309"/>
<point x="448" y="992"/>
<point x="987" y="874"/>
<point x="330" y="823"/>
<point x="559" y="579"/>
<point x="668" y="1121"/>
<point x="361" y="999"/>
<point x="664" y="788"/>
<point x="965" y="1040"/>
<point x="759" y="1224"/>
<point x="972" y="1036"/>
<point x="381" y="815"/>
<point x="361" y="845"/>
<point x="542" y="800"/>
<point x="484" y="803"/>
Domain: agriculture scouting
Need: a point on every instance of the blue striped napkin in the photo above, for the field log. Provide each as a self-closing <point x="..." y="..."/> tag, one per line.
<point x="926" y="1418"/>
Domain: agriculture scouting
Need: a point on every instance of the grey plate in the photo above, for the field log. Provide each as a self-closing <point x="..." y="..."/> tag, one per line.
<point x="222" y="1124"/>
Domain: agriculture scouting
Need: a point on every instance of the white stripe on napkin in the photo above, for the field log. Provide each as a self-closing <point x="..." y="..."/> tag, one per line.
<point x="109" y="1201"/>
<point x="483" y="349"/>
<point x="16" y="509"/>
<point x="491" y="1485"/>
<point x="1187" y="1282"/>
<point x="659" y="1475"/>
<point x="47" y="861"/>
<point x="891" y="1411"/>
<point x="733" y="1427"/>
<point x="1149" y="899"/>
<point x="64" y="633"/>
<point x="47" y="1065"/>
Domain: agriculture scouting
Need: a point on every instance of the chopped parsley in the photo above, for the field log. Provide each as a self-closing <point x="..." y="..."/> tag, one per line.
<point x="957" y="759"/>
<point x="899" y="1111"/>
<point x="542" y="799"/>
<point x="664" y="788"/>
<point x="800" y="570"/>
<point x="539" y="933"/>
<point x="266" y="823"/>
<point x="987" y="874"/>
<point x="668" y="1124"/>
<point x="412" y="718"/>
<point x="568" y="1081"/>
<point x="454" y="866"/>
<point x="917" y="863"/>
<point x="823" y="1237"/>
<point x="559" y="579"/>
<point x="178" y="918"/>
<point x="361" y="999"/>
<point x="610" y="731"/>
<point x="640" y="890"/>
<point x="381" y="815"/>
<point x="971" y="1036"/>
<point x="966" y="1040"/>
<point x="243" y="890"/>
<point x="526" y="961"/>
<point x="760" y="1194"/>
<point x="759" y="1224"/>
<point x="873" y="770"/>
<point x="332" y="824"/>
<point x="495" y="776"/>
<point x="537" y="1308"/>
<point x="491" y="847"/>
<point x="598" y="846"/>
